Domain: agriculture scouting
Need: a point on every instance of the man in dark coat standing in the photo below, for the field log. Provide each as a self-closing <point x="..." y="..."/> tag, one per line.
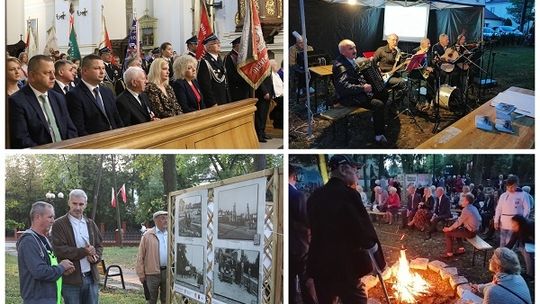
<point x="238" y="87"/>
<point x="92" y="106"/>
<point x="211" y="73"/>
<point x="298" y="242"/>
<point x="37" y="114"/>
<point x="191" y="45"/>
<point x="342" y="237"/>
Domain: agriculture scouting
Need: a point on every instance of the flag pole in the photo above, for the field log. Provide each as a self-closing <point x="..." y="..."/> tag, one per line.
<point x="306" y="70"/>
<point x="119" y="223"/>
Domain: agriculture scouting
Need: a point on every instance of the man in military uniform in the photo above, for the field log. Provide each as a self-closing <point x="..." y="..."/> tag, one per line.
<point x="212" y="75"/>
<point x="191" y="45"/>
<point x="112" y="73"/>
<point x="238" y="87"/>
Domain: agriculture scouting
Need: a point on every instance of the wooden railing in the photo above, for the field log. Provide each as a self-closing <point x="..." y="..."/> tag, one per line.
<point x="229" y="126"/>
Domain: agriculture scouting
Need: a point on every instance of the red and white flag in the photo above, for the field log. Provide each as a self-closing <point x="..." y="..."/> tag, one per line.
<point x="113" y="198"/>
<point x="253" y="62"/>
<point x="106" y="40"/>
<point x="205" y="30"/>
<point x="122" y="192"/>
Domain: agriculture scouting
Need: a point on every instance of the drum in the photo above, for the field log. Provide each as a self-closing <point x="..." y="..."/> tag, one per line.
<point x="449" y="98"/>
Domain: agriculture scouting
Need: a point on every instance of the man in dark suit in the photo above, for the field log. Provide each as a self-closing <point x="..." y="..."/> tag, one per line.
<point x="37" y="114"/>
<point x="343" y="240"/>
<point x="92" y="106"/>
<point x="133" y="104"/>
<point x="298" y="242"/>
<point x="191" y="45"/>
<point x="238" y="87"/>
<point x="264" y="94"/>
<point x="353" y="90"/>
<point x="441" y="210"/>
<point x="212" y="76"/>
<point x="413" y="199"/>
<point x="65" y="73"/>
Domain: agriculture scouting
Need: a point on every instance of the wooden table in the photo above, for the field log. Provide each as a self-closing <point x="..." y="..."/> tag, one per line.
<point x="463" y="134"/>
<point x="322" y="72"/>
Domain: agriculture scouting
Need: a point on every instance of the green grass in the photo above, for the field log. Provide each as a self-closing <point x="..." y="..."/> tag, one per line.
<point x="514" y="66"/>
<point x="106" y="296"/>
<point x="125" y="257"/>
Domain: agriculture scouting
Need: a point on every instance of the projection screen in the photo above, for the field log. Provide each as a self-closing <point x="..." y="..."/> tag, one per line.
<point x="409" y="23"/>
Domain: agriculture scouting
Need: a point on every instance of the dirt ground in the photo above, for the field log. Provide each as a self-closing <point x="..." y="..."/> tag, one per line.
<point x="356" y="131"/>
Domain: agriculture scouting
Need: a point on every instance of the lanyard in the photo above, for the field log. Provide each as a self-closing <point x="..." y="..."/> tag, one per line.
<point x="54" y="262"/>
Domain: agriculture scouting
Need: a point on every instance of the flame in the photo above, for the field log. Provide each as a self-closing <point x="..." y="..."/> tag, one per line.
<point x="408" y="285"/>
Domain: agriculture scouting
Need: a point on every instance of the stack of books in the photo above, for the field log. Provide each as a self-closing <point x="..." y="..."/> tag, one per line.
<point x="503" y="121"/>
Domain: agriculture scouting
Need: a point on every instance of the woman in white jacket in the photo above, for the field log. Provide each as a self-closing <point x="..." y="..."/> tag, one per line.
<point x="512" y="202"/>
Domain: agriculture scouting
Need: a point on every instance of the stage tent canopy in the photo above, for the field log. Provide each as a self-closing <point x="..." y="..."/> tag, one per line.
<point x="330" y="21"/>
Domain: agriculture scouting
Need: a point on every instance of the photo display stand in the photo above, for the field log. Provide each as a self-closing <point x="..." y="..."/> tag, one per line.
<point x="223" y="247"/>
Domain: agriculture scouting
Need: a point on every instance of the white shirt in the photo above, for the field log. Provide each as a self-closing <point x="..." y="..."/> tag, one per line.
<point x="278" y="84"/>
<point x="91" y="88"/>
<point x="136" y="95"/>
<point x="509" y="205"/>
<point x="82" y="238"/>
<point x="162" y="237"/>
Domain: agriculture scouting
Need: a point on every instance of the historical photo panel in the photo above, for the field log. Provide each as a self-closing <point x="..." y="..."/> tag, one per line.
<point x="189" y="216"/>
<point x="237" y="213"/>
<point x="190" y="265"/>
<point x="236" y="275"/>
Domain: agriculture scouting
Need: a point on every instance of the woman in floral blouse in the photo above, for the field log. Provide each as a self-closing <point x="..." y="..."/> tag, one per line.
<point x="161" y="94"/>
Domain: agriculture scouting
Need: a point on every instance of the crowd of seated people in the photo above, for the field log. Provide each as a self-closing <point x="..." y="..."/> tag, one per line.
<point x="53" y="98"/>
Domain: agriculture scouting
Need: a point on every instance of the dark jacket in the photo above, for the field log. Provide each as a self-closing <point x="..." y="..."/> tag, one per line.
<point x="65" y="247"/>
<point x="213" y="80"/>
<point x="386" y="58"/>
<point x="348" y="82"/>
<point x="524" y="235"/>
<point x="442" y="209"/>
<point x="341" y="230"/>
<point x="239" y="89"/>
<point x="298" y="217"/>
<point x="185" y="96"/>
<point x="130" y="110"/>
<point x="28" y="125"/>
<point x="87" y="115"/>
<point x="37" y="278"/>
<point x="412" y="204"/>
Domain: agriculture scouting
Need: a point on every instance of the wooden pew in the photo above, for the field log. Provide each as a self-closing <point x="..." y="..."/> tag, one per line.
<point x="230" y="126"/>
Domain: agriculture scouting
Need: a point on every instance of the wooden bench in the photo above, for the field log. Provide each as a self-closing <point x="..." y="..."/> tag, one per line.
<point x="107" y="273"/>
<point x="378" y="215"/>
<point x="341" y="114"/>
<point x="479" y="245"/>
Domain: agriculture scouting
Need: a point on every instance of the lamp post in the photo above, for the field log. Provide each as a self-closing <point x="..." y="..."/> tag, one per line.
<point x="50" y="196"/>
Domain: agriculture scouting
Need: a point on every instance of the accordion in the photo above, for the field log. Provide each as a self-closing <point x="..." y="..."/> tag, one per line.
<point x="369" y="70"/>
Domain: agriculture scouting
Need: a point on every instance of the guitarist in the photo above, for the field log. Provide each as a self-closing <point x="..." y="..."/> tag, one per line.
<point x="388" y="57"/>
<point x="438" y="50"/>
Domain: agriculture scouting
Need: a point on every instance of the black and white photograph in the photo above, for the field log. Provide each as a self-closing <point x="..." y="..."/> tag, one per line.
<point x="236" y="275"/>
<point x="237" y="213"/>
<point x="189" y="265"/>
<point x="189" y="216"/>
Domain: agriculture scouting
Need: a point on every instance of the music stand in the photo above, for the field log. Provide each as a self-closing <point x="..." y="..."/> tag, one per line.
<point x="415" y="63"/>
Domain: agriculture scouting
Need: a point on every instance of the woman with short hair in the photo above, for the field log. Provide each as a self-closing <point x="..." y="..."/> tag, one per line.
<point x="394" y="203"/>
<point x="507" y="286"/>
<point x="185" y="86"/>
<point x="160" y="93"/>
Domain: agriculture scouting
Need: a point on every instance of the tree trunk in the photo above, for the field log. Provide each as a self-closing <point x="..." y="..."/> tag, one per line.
<point x="381" y="165"/>
<point x="259" y="163"/>
<point x="97" y="186"/>
<point x="169" y="174"/>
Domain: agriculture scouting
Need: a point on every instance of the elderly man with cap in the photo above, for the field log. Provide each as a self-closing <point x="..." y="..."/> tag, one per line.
<point x="296" y="61"/>
<point x="152" y="258"/>
<point x="212" y="76"/>
<point x="191" y="45"/>
<point x="111" y="72"/>
<point x="238" y="87"/>
<point x="344" y="245"/>
<point x="512" y="202"/>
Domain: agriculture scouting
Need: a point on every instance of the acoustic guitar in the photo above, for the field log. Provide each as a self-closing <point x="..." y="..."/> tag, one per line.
<point x="450" y="55"/>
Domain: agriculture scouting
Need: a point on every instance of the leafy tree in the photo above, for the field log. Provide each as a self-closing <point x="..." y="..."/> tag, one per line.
<point x="516" y="8"/>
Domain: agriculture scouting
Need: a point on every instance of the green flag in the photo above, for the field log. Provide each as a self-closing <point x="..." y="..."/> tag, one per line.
<point x="73" y="51"/>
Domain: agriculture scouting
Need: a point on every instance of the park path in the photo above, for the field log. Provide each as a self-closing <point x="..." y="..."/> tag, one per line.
<point x="130" y="277"/>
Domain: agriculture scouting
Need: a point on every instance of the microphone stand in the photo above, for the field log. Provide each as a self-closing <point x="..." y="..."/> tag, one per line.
<point x="436" y="104"/>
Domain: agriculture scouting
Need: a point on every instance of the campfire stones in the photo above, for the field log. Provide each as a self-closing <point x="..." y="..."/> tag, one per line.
<point x="457" y="280"/>
<point x="462" y="288"/>
<point x="436" y="266"/>
<point x="470" y="297"/>
<point x="446" y="273"/>
<point x="419" y="263"/>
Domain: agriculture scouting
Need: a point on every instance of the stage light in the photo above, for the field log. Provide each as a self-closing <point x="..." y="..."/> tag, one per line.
<point x="352" y="2"/>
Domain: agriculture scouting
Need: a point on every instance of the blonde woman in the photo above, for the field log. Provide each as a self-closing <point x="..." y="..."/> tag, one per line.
<point x="160" y="93"/>
<point x="13" y="75"/>
<point x="185" y="86"/>
<point x="423" y="215"/>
